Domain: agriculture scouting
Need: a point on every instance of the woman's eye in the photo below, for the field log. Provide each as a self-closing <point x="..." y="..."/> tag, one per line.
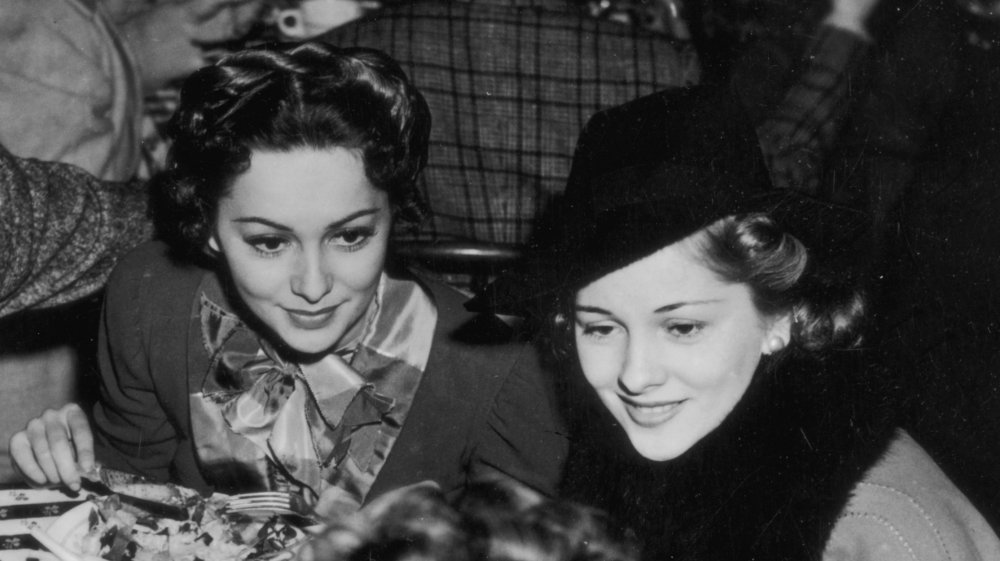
<point x="353" y="238"/>
<point x="684" y="329"/>
<point x="267" y="245"/>
<point x="598" y="331"/>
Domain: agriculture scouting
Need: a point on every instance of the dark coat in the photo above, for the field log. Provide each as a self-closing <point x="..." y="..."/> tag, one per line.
<point x="767" y="484"/>
<point x="479" y="409"/>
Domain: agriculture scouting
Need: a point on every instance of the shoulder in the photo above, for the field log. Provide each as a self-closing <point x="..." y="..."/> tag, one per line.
<point x="475" y="360"/>
<point x="152" y="260"/>
<point x="480" y="343"/>
<point x="450" y="302"/>
<point x="905" y="507"/>
<point x="149" y="281"/>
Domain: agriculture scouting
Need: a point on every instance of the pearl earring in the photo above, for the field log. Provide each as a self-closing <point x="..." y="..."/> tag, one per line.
<point x="775" y="344"/>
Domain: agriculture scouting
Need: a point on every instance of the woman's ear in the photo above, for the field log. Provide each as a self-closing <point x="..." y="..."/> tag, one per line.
<point x="778" y="335"/>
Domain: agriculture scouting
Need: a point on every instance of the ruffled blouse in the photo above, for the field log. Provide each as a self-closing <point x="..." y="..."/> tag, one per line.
<point x="323" y="430"/>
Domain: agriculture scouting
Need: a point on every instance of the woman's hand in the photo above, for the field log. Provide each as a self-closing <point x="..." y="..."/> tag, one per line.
<point x="54" y="447"/>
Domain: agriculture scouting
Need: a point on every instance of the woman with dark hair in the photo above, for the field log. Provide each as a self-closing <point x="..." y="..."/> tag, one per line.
<point x="735" y="418"/>
<point x="265" y="345"/>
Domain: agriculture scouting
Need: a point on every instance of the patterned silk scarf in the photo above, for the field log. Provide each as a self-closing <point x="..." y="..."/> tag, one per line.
<point x="322" y="429"/>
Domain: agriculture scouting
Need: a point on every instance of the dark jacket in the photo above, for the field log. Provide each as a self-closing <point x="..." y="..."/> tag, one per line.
<point x="480" y="409"/>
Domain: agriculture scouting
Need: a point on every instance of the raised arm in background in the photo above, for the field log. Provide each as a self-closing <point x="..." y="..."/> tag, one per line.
<point x="61" y="231"/>
<point x="799" y="135"/>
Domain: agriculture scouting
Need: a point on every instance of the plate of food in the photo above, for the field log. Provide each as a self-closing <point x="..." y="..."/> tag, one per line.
<point x="112" y="530"/>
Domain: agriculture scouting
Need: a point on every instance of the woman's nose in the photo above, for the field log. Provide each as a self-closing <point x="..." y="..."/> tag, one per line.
<point x="312" y="279"/>
<point x="641" y="369"/>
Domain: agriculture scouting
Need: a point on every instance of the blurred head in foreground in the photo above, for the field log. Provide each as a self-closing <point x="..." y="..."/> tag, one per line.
<point x="497" y="520"/>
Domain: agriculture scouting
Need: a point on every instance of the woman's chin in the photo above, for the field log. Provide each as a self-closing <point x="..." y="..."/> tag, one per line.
<point x="313" y="352"/>
<point x="306" y="348"/>
<point x="657" y="447"/>
<point x="658" y="455"/>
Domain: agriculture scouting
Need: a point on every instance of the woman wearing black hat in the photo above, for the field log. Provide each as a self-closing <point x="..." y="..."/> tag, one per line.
<point x="735" y="418"/>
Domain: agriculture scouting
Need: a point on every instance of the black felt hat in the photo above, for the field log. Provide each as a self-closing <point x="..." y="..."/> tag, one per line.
<point x="649" y="173"/>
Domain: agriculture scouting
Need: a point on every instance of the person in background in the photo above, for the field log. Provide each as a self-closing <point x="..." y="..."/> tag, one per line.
<point x="921" y="154"/>
<point x="726" y="409"/>
<point x="801" y="104"/>
<point x="509" y="84"/>
<point x="520" y="78"/>
<point x="268" y="344"/>
<point x="71" y="200"/>
<point x="73" y="75"/>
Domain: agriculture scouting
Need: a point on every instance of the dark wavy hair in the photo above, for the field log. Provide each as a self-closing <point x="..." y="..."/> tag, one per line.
<point x="280" y="98"/>
<point x="506" y="521"/>
<point x="493" y="519"/>
<point x="827" y="309"/>
<point x="410" y="524"/>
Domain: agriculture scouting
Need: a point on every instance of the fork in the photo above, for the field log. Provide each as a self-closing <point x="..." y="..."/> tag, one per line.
<point x="271" y="502"/>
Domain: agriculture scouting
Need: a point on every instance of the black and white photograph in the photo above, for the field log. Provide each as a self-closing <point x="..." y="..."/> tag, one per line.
<point x="499" y="280"/>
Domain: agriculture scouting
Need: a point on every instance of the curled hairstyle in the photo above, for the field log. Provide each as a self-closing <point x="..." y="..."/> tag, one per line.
<point x="309" y="95"/>
<point x="827" y="310"/>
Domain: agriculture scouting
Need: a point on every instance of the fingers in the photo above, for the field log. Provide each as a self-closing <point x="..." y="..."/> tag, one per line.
<point x="31" y="454"/>
<point x="60" y="458"/>
<point x="23" y="459"/>
<point x="83" y="439"/>
<point x="46" y="451"/>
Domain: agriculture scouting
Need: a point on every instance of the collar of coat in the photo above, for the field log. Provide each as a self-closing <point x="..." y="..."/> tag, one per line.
<point x="767" y="484"/>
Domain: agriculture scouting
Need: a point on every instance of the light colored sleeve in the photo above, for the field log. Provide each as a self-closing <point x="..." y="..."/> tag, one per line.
<point x="61" y="231"/>
<point x="906" y="509"/>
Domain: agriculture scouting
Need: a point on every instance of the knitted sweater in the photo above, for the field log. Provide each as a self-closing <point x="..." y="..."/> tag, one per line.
<point x="61" y="231"/>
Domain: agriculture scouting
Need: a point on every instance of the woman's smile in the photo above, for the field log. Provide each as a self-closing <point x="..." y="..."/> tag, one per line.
<point x="650" y="414"/>
<point x="669" y="347"/>
<point x="312" y="319"/>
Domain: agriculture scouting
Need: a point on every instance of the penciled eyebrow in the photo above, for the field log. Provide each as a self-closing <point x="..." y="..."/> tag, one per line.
<point x="591" y="310"/>
<point x="660" y="310"/>
<point x="333" y="225"/>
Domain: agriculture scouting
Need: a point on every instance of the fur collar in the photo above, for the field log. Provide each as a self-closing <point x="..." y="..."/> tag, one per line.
<point x="767" y="484"/>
